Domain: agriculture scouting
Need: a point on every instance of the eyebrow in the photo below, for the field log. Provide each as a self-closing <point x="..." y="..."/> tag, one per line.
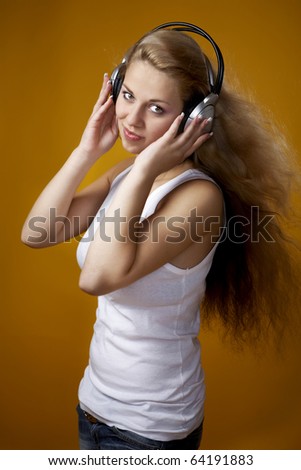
<point x="153" y="100"/>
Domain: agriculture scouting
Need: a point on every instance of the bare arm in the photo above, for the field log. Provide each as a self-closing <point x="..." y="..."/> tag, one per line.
<point x="126" y="258"/>
<point x="59" y="213"/>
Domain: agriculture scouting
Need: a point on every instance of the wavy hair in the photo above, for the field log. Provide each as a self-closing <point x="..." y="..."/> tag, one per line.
<point x="253" y="284"/>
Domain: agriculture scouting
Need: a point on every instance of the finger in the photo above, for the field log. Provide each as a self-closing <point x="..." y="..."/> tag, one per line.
<point x="198" y="143"/>
<point x="173" y="129"/>
<point x="198" y="124"/>
<point x="103" y="109"/>
<point x="196" y="129"/>
<point x="206" y="125"/>
<point x="194" y="136"/>
<point x="104" y="92"/>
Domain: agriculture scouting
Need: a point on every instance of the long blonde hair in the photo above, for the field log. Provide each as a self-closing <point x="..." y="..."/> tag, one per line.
<point x="252" y="286"/>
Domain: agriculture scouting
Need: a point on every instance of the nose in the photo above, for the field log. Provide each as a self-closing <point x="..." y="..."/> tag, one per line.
<point x="135" y="116"/>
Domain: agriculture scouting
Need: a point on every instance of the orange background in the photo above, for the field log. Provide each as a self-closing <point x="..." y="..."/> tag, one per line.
<point x="54" y="54"/>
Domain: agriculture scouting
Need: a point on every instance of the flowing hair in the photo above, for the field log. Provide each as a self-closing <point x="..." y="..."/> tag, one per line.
<point x="253" y="284"/>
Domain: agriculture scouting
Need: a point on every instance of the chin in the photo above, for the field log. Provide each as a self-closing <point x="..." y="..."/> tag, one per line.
<point x="132" y="147"/>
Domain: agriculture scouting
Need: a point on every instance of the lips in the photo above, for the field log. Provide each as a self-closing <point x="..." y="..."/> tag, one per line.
<point x="131" y="136"/>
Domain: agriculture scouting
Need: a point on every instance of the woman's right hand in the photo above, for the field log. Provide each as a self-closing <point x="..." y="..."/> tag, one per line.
<point x="101" y="131"/>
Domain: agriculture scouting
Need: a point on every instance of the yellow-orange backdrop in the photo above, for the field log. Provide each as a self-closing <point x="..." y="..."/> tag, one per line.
<point x="54" y="54"/>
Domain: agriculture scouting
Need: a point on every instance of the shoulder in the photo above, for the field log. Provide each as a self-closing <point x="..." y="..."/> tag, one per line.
<point x="109" y="175"/>
<point x="199" y="194"/>
<point x="119" y="168"/>
<point x="190" y="216"/>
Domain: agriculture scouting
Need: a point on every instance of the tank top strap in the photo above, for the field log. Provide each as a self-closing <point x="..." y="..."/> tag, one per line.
<point x="159" y="193"/>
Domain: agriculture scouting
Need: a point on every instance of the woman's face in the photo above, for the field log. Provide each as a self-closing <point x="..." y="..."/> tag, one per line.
<point x="148" y="103"/>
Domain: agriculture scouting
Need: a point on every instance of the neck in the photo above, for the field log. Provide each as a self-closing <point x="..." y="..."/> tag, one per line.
<point x="167" y="175"/>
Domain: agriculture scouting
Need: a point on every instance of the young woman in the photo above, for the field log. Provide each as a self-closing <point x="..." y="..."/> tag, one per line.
<point x="190" y="219"/>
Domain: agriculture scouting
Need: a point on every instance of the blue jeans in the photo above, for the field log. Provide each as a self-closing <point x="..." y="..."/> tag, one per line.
<point x="99" y="436"/>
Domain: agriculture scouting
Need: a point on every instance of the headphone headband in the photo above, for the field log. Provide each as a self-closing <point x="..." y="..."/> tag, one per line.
<point x="191" y="28"/>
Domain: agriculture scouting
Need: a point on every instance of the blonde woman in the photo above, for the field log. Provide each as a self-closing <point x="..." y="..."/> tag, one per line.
<point x="187" y="221"/>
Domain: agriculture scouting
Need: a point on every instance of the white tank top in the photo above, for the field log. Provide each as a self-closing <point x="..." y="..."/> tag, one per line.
<point x="144" y="373"/>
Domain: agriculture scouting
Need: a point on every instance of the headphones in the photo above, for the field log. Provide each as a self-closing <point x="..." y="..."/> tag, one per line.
<point x="205" y="108"/>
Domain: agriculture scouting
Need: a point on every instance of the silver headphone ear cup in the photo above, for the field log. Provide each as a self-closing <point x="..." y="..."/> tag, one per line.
<point x="205" y="109"/>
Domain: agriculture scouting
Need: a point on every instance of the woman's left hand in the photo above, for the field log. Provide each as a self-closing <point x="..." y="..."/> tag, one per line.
<point x="172" y="148"/>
